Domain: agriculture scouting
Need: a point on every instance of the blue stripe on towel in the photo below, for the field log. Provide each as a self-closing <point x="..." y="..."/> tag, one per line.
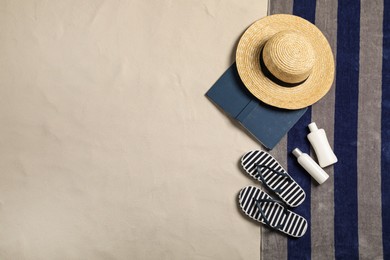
<point x="301" y="248"/>
<point x="385" y="132"/>
<point x="345" y="134"/>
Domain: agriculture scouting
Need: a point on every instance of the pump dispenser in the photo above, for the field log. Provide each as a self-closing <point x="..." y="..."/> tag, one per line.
<point x="320" y="144"/>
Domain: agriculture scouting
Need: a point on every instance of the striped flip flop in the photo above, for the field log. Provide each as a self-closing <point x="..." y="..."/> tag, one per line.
<point x="259" y="206"/>
<point x="265" y="168"/>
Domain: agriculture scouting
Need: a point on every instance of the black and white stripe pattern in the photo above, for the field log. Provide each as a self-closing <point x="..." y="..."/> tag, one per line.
<point x="291" y="193"/>
<point x="290" y="223"/>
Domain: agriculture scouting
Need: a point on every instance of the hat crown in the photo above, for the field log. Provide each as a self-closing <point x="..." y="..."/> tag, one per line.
<point x="289" y="56"/>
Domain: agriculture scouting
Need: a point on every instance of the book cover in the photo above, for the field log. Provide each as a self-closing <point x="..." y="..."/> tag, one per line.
<point x="266" y="123"/>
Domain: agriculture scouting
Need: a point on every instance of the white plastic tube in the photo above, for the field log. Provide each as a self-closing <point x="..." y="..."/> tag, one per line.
<point x="310" y="166"/>
<point x="320" y="144"/>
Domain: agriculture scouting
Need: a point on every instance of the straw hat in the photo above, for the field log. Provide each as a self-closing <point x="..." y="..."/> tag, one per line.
<point x="285" y="61"/>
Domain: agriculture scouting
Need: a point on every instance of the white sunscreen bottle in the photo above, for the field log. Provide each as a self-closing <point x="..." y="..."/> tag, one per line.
<point x="310" y="166"/>
<point x="320" y="144"/>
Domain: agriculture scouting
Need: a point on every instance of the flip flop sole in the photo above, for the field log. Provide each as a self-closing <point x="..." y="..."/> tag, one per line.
<point x="290" y="223"/>
<point x="290" y="191"/>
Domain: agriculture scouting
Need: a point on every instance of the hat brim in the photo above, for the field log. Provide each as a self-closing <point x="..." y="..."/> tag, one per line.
<point x="267" y="90"/>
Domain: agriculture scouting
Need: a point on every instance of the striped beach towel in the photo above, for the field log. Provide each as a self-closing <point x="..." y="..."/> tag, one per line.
<point x="349" y="215"/>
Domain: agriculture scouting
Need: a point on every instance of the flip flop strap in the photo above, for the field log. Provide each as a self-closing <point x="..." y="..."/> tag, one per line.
<point x="262" y="214"/>
<point x="260" y="175"/>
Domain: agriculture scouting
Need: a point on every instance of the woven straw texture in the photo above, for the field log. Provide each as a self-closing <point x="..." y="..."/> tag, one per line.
<point x="294" y="50"/>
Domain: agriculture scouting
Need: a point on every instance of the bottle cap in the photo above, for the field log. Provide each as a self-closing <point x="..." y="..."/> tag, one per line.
<point x="313" y="127"/>
<point x="297" y="152"/>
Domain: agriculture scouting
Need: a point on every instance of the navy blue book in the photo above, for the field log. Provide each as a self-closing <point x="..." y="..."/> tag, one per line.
<point x="266" y="123"/>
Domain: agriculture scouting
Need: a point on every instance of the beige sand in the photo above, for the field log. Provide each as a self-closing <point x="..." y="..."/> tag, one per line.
<point x="109" y="149"/>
